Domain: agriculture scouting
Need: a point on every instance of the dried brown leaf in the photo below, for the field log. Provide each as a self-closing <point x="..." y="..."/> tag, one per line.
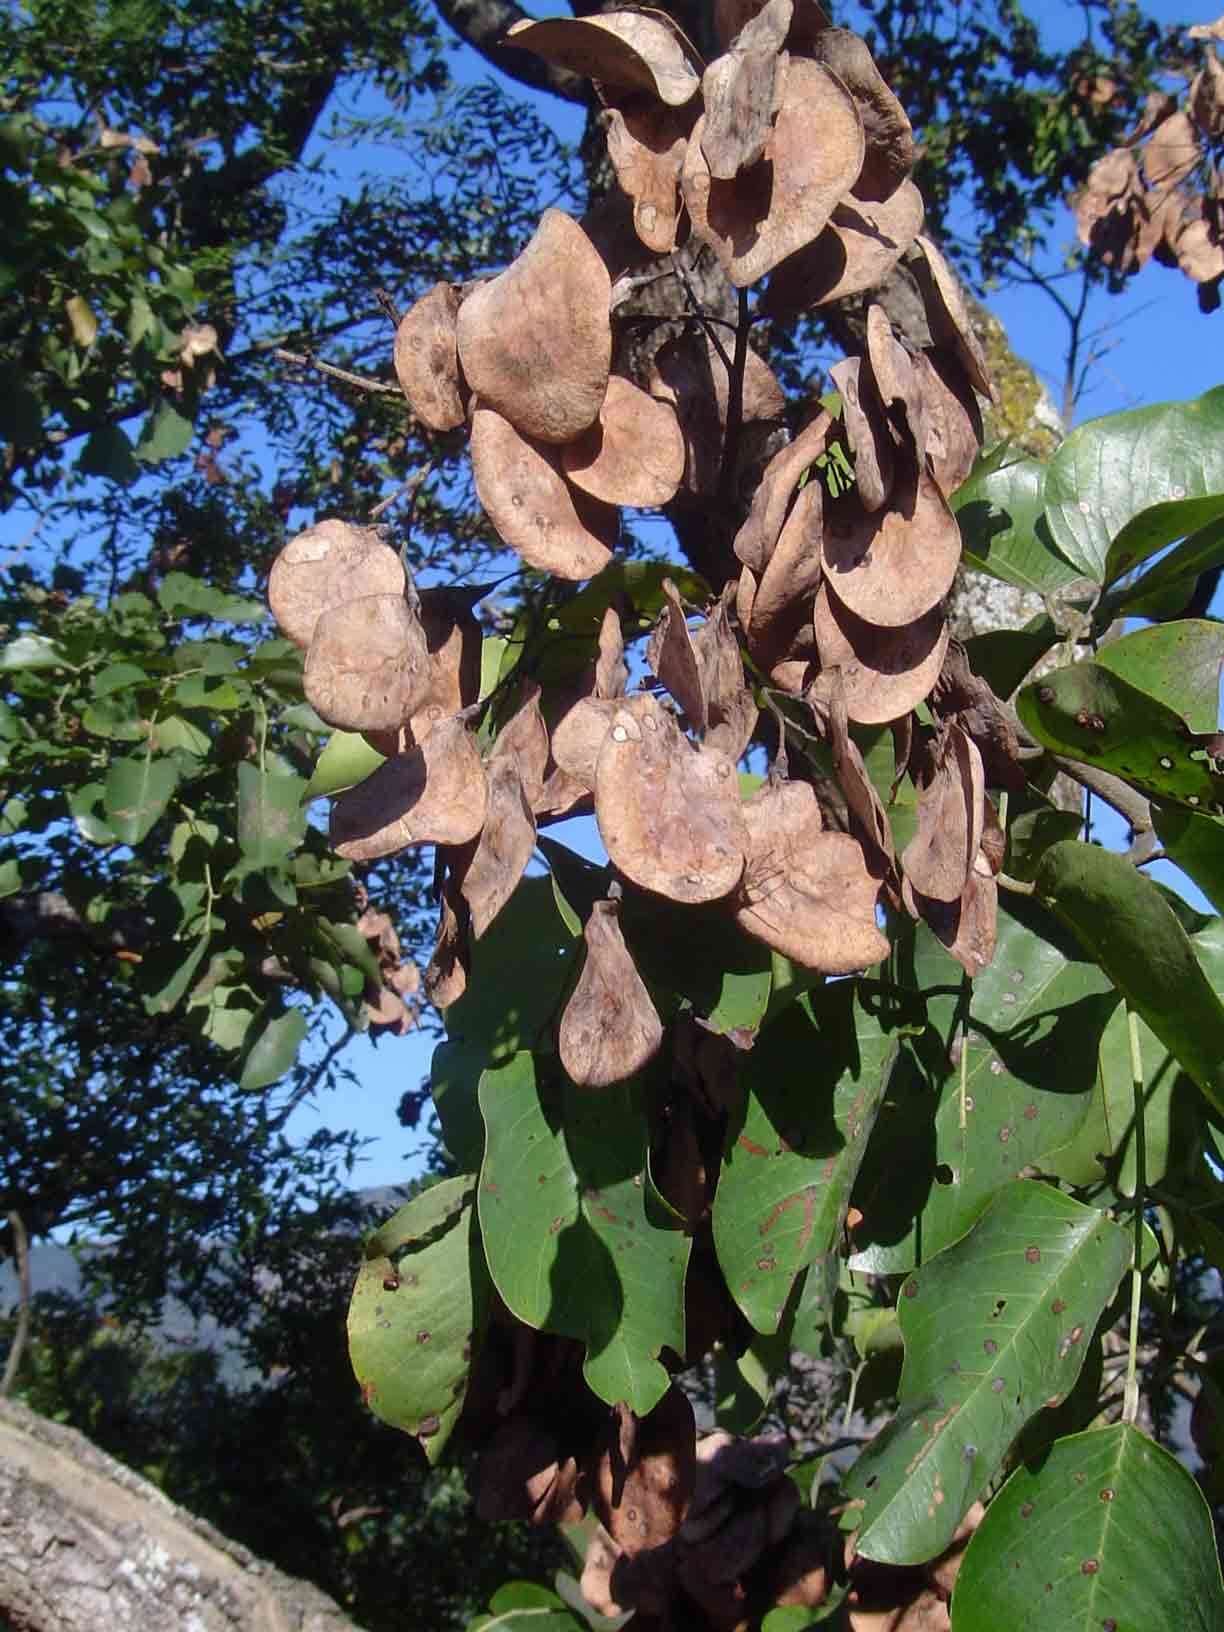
<point x="535" y="342"/>
<point x="330" y="563"/>
<point x="610" y="1028"/>
<point x="858" y="249"/>
<point x="646" y="142"/>
<point x="368" y="665"/>
<point x="806" y="893"/>
<point x="427" y="360"/>
<point x="437" y="794"/>
<point x="1172" y="152"/>
<point x="533" y="508"/>
<point x="635" y="50"/>
<point x="783" y="202"/>
<point x="948" y="316"/>
<point x="889" y="156"/>
<point x="634" y="452"/>
<point x="891" y="566"/>
<point x="742" y="90"/>
<point x="886" y="672"/>
<point x="669" y="813"/>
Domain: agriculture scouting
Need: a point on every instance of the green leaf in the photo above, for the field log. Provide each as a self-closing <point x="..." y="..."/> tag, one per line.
<point x="1165" y="588"/>
<point x="417" y="1312"/>
<point x="1196" y="843"/>
<point x="174" y="990"/>
<point x="31" y="652"/>
<point x="1034" y="1020"/>
<point x="274" y="1051"/>
<point x="84" y="805"/>
<point x="815" y="1079"/>
<point x="1031" y="834"/>
<point x="994" y="1329"/>
<point x="116" y="718"/>
<point x="1091" y="714"/>
<point x="181" y="595"/>
<point x="137" y="793"/>
<point x="1110" y="471"/>
<point x="211" y="691"/>
<point x="108" y="453"/>
<point x="346" y="760"/>
<point x="1108" y="1531"/>
<point x="10" y="877"/>
<point x="1000" y="512"/>
<point x="1005" y="657"/>
<point x="1176" y="663"/>
<point x="118" y="677"/>
<point x="569" y="1244"/>
<point x="176" y="734"/>
<point x="164" y="435"/>
<point x="271" y="816"/>
<point x="1135" y="936"/>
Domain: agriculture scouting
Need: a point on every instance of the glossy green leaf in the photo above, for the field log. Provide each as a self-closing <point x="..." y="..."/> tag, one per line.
<point x="815" y="1078"/>
<point x="563" y="1218"/>
<point x="346" y="760"/>
<point x="274" y="1050"/>
<point x="1034" y="1020"/>
<point x="118" y="677"/>
<point x="1089" y="713"/>
<point x="116" y="718"/>
<point x="1160" y="525"/>
<point x="1031" y="834"/>
<point x="181" y="595"/>
<point x="1000" y="512"/>
<point x="164" y="435"/>
<point x="10" y="877"/>
<point x="1134" y="934"/>
<point x="522" y="1606"/>
<point x="175" y="989"/>
<point x="1177" y="663"/>
<point x="1196" y="843"/>
<point x="1109" y="1530"/>
<point x="271" y="816"/>
<point x="176" y="734"/>
<point x="86" y="805"/>
<point x="417" y="1311"/>
<point x="1110" y="471"/>
<point x="1166" y="587"/>
<point x="211" y="691"/>
<point x="108" y="452"/>
<point x="137" y="791"/>
<point x="995" y="1328"/>
<point x="1004" y="658"/>
<point x="31" y="652"/>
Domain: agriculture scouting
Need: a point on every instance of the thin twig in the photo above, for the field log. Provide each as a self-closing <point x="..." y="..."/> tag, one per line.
<point x="702" y="318"/>
<point x="388" y="307"/>
<point x="21" y="1251"/>
<point x="362" y="382"/>
<point x="409" y="491"/>
<point x="735" y="402"/>
<point x="307" y="1087"/>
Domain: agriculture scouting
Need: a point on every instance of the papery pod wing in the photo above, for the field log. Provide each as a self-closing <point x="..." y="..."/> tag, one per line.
<point x="1171" y="153"/>
<point x="755" y="541"/>
<point x="579" y="735"/>
<point x="330" y="563"/>
<point x="896" y="378"/>
<point x="886" y="672"/>
<point x="849" y="768"/>
<point x="951" y="814"/>
<point x="436" y="794"/>
<point x="947" y="315"/>
<point x="447" y="971"/>
<point x="634" y="452"/>
<point x="523" y="742"/>
<point x="533" y="508"/>
<point x="646" y="142"/>
<point x="427" y="359"/>
<point x="368" y="665"/>
<point x="741" y="92"/>
<point x="858" y="249"/>
<point x="535" y="342"/>
<point x="610" y="1028"/>
<point x="783" y="203"/>
<point x="782" y="605"/>
<point x="611" y="673"/>
<point x="889" y="156"/>
<point x="688" y="373"/>
<point x="453" y="639"/>
<point x="807" y="893"/>
<point x="504" y="847"/>
<point x="673" y="659"/>
<point x="634" y="50"/>
<point x="867" y="431"/>
<point x="808" y="20"/>
<point x="669" y="813"/>
<point x="644" y="1473"/>
<point x="953" y="419"/>
<point x="892" y="565"/>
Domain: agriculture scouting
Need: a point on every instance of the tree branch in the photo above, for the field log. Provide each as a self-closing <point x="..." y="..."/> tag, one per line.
<point x="482" y="24"/>
<point x="21" y="1253"/>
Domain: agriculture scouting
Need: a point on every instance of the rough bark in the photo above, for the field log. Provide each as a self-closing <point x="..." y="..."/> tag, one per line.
<point x="87" y="1544"/>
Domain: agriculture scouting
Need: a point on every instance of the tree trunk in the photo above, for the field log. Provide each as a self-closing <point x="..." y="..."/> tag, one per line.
<point x="87" y="1545"/>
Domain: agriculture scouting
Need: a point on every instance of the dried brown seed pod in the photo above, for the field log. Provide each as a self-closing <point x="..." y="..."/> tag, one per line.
<point x="523" y="740"/>
<point x="437" y="794"/>
<point x="785" y="201"/>
<point x="808" y="20"/>
<point x="533" y="508"/>
<point x="953" y="419"/>
<point x="951" y="813"/>
<point x="858" y="249"/>
<point x="644" y="1477"/>
<point x="578" y="736"/>
<point x="611" y="672"/>
<point x="368" y="665"/>
<point x="535" y="342"/>
<point x="756" y="539"/>
<point x="673" y="659"/>
<point x="889" y="157"/>
<point x="330" y="563"/>
<point x="669" y="813"/>
<point x="742" y="90"/>
<point x="948" y="316"/>
<point x="782" y="605"/>
<point x="427" y="359"/>
<point x="610" y="1028"/>
<point x="504" y="848"/>
<point x="446" y="973"/>
<point x="634" y="50"/>
<point x="646" y="142"/>
<point x="633" y="454"/>
<point x="868" y="431"/>
<point x="807" y="893"/>
<point x="886" y="672"/>
<point x="453" y="638"/>
<point x="892" y="565"/>
<point x="688" y="373"/>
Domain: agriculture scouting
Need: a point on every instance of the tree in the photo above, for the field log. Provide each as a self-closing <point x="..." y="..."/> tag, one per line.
<point x="736" y="992"/>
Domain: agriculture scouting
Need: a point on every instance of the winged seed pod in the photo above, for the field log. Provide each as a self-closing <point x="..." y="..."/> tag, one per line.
<point x="633" y="454"/>
<point x="427" y="359"/>
<point x="632" y="50"/>
<point x="368" y="664"/>
<point x="330" y="563"/>
<point x="535" y="342"/>
<point x="886" y="672"/>
<point x="435" y="794"/>
<point x="669" y="813"/>
<point x="858" y="249"/>
<point x="610" y="1028"/>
